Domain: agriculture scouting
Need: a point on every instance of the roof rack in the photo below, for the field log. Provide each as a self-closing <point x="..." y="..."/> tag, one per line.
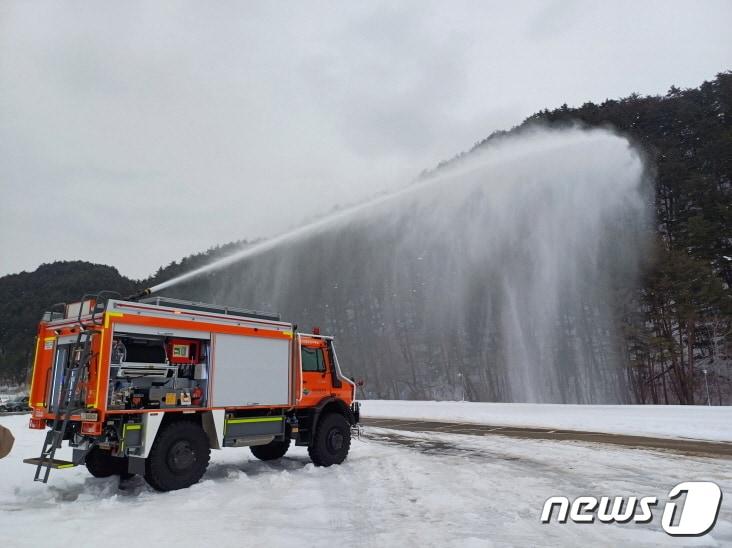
<point x="215" y="308"/>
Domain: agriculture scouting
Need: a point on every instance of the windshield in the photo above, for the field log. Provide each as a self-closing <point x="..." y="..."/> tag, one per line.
<point x="312" y="359"/>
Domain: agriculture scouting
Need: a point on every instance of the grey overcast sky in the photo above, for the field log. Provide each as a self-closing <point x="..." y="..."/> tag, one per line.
<point x="134" y="133"/>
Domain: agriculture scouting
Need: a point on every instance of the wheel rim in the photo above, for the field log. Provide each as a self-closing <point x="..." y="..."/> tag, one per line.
<point x="335" y="440"/>
<point x="181" y="456"/>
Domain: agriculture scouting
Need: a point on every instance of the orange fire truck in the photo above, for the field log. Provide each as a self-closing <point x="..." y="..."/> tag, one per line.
<point x="150" y="385"/>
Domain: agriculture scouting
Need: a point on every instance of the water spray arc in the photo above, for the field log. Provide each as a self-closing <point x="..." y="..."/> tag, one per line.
<point x="497" y="277"/>
<point x="303" y="231"/>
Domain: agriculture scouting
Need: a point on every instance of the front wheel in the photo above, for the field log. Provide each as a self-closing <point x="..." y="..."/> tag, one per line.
<point x="178" y="458"/>
<point x="331" y="441"/>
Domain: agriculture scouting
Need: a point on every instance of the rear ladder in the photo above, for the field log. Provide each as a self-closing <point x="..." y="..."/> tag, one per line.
<point x="76" y="364"/>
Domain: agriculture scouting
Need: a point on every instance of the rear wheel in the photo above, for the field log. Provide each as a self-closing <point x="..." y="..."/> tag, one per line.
<point x="178" y="458"/>
<point x="332" y="440"/>
<point x="271" y="451"/>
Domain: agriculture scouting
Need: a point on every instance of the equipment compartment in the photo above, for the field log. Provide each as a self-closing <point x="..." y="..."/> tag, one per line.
<point x="157" y="372"/>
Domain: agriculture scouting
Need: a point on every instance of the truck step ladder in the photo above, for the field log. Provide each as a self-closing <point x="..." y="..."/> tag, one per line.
<point x="56" y="464"/>
<point x="76" y="363"/>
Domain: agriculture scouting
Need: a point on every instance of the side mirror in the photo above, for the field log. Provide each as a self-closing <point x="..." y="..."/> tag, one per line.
<point x="360" y="382"/>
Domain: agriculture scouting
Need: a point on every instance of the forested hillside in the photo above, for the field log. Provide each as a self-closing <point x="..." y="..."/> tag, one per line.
<point x="677" y="328"/>
<point x="25" y="296"/>
<point x="680" y="343"/>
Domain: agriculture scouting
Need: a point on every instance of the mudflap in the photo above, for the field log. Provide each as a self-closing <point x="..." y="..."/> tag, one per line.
<point x="136" y="465"/>
<point x="78" y="456"/>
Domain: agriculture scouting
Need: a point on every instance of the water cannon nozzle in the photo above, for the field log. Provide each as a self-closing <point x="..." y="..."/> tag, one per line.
<point x="136" y="296"/>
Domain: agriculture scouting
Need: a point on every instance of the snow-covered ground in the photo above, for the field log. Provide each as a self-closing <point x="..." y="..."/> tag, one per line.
<point x="663" y="421"/>
<point x="395" y="489"/>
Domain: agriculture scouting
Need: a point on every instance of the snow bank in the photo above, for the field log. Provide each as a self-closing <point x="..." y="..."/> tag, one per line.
<point x="664" y="421"/>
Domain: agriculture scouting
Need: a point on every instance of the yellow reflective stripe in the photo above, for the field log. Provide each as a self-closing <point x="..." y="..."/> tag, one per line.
<point x="65" y="466"/>
<point x="288" y="333"/>
<point x="132" y="427"/>
<point x="254" y="419"/>
<point x="99" y="367"/>
<point x="49" y="338"/>
<point x="108" y="315"/>
<point x="35" y="361"/>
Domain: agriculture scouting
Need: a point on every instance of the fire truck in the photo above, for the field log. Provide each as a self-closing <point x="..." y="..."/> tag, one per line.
<point x="149" y="385"/>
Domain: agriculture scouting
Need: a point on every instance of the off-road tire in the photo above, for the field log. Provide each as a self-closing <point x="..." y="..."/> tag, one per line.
<point x="273" y="450"/>
<point x="331" y="441"/>
<point x="178" y="458"/>
<point x="101" y="464"/>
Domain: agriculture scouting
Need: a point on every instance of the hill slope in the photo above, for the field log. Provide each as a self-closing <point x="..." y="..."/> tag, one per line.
<point x="25" y="296"/>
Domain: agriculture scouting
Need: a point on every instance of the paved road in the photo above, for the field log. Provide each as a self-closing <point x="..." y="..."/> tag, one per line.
<point x="690" y="447"/>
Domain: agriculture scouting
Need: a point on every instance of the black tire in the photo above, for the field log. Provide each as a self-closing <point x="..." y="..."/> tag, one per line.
<point x="101" y="464"/>
<point x="178" y="458"/>
<point x="332" y="440"/>
<point x="271" y="451"/>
